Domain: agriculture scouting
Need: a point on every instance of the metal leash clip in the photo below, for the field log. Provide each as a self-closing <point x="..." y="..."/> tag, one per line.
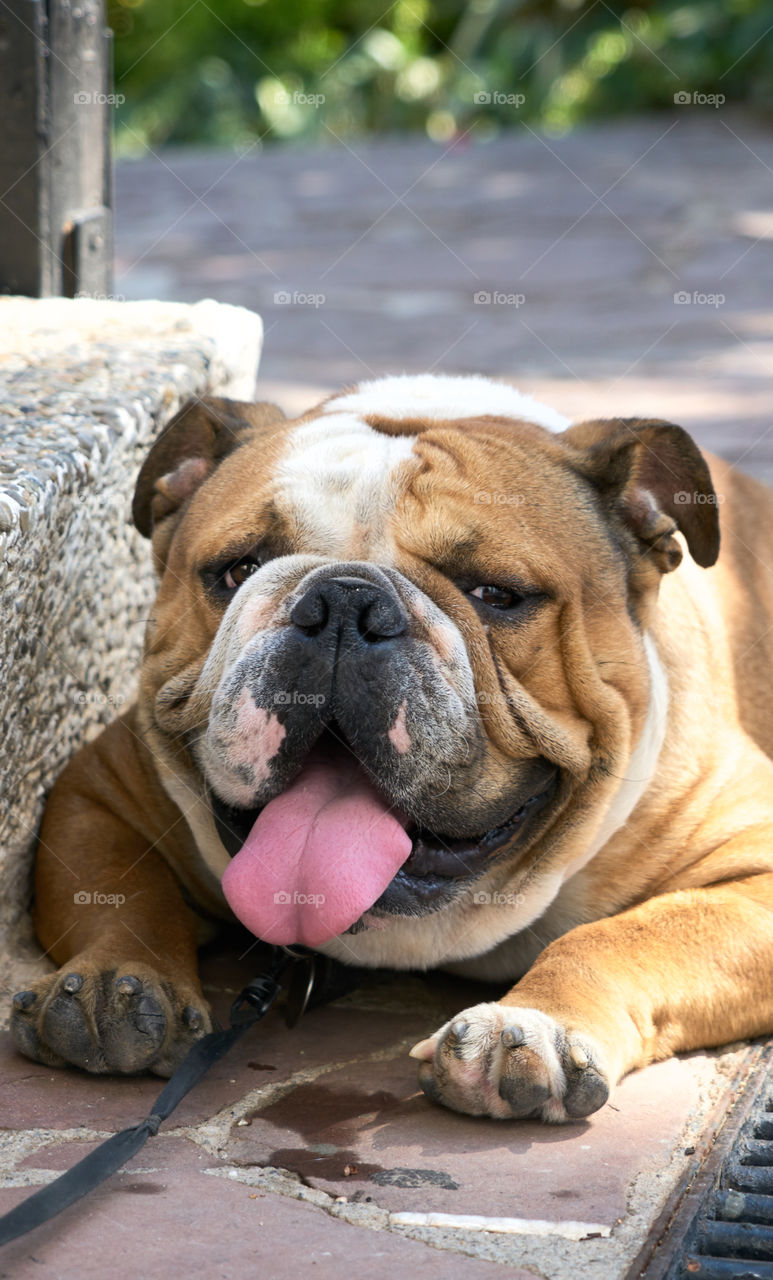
<point x="303" y="977"/>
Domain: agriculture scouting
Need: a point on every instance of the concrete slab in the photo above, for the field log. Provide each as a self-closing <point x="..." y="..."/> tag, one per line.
<point x="367" y="1130"/>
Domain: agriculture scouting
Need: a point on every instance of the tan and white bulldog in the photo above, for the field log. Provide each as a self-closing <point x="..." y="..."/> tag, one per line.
<point x="434" y="679"/>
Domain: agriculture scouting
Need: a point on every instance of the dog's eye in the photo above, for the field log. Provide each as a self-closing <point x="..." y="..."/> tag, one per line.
<point x="237" y="574"/>
<point x="496" y="597"/>
<point x="222" y="578"/>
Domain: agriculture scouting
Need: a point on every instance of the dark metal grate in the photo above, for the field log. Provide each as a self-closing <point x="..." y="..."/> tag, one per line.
<point x="732" y="1236"/>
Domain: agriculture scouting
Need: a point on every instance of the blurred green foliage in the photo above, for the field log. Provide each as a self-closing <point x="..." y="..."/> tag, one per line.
<point x="232" y="71"/>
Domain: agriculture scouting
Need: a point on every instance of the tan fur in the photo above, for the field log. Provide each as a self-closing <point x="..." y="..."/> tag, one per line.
<point x="663" y="941"/>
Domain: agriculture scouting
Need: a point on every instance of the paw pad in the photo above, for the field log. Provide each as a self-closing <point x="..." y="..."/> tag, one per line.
<point x="105" y="1021"/>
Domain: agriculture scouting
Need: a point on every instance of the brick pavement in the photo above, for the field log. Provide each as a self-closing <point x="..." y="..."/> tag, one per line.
<point x="597" y="232"/>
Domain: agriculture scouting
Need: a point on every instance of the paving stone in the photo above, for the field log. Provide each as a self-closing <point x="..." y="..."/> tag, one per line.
<point x="370" y="1022"/>
<point x="366" y="1130"/>
<point x="165" y="1216"/>
<point x="32" y="1095"/>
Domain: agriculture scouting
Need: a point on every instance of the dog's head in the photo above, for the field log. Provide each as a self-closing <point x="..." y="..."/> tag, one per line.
<point x="398" y="663"/>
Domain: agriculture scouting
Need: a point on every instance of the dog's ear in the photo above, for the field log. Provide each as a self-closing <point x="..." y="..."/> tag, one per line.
<point x="652" y="477"/>
<point x="189" y="448"/>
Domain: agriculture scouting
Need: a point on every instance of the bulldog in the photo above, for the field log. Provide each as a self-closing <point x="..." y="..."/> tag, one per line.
<point x="433" y="679"/>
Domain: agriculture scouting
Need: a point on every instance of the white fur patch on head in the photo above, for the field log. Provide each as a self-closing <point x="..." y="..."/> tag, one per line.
<point x="440" y="397"/>
<point x="336" y="483"/>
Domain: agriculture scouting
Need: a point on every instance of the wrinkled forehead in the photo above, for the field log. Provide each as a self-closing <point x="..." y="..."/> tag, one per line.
<point x="346" y="480"/>
<point x="337" y="483"/>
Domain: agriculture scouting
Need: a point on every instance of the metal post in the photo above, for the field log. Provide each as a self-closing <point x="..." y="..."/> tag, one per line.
<point x="55" y="171"/>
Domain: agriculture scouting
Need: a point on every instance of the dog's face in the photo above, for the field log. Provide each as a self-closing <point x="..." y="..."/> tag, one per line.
<point x="398" y="661"/>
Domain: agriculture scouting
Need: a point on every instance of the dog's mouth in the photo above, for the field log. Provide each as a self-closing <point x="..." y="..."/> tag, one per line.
<point x="438" y="866"/>
<point x="311" y="862"/>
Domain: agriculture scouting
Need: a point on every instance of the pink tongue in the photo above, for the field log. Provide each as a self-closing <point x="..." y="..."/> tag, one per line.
<point x="318" y="856"/>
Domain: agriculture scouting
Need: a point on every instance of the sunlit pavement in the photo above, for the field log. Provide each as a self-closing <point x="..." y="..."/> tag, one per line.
<point x="624" y="269"/>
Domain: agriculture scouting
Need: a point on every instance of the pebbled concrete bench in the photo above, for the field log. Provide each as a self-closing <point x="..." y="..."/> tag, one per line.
<point x="85" y="386"/>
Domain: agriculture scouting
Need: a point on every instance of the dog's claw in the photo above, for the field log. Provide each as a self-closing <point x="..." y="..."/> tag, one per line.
<point x="192" y="1017"/>
<point x="72" y="983"/>
<point x="24" y="1000"/>
<point x="128" y="985"/>
<point x="512" y="1037"/>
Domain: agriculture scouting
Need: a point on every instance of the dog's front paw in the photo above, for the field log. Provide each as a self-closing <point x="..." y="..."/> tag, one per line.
<point x="503" y="1061"/>
<point x="104" y="1018"/>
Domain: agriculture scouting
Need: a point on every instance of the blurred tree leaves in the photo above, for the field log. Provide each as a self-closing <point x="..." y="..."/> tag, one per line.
<point x="234" y="71"/>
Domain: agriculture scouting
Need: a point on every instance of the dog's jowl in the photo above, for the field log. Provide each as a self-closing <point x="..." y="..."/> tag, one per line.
<point x="434" y="679"/>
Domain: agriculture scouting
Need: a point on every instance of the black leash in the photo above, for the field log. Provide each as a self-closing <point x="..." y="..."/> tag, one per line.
<point x="252" y="1004"/>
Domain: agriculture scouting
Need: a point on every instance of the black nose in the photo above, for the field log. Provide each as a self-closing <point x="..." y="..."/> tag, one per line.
<point x="352" y="607"/>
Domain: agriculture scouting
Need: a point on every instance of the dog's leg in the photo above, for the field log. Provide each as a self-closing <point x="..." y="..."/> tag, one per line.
<point x="687" y="970"/>
<point x="109" y="911"/>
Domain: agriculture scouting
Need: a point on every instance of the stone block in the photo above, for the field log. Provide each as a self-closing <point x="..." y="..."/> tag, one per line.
<point x="85" y="386"/>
